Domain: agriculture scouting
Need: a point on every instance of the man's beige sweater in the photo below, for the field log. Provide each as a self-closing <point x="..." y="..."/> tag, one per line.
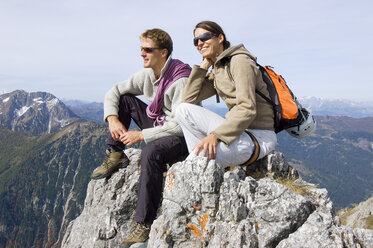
<point x="144" y="83"/>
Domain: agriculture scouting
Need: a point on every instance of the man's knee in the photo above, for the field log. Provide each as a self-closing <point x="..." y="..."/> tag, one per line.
<point x="163" y="151"/>
<point x="126" y="99"/>
<point x="152" y="158"/>
<point x="127" y="96"/>
<point x="151" y="152"/>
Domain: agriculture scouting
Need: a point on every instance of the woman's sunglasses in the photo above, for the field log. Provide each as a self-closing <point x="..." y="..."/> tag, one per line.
<point x="204" y="37"/>
<point x="149" y="49"/>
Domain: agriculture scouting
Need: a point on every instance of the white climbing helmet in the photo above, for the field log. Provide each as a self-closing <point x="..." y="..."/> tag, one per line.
<point x="305" y="128"/>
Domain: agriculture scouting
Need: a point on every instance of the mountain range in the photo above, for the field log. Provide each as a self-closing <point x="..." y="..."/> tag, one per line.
<point x="90" y="111"/>
<point x="47" y="153"/>
<point x="322" y="106"/>
<point x="335" y="107"/>
<point x="319" y="106"/>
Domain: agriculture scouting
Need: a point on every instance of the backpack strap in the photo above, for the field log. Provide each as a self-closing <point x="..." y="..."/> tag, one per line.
<point x="217" y="96"/>
<point x="256" y="91"/>
<point x="229" y="68"/>
<point x="254" y="156"/>
<point x="265" y="98"/>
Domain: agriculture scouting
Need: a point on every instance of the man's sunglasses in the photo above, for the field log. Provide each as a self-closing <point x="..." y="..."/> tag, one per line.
<point x="204" y="37"/>
<point x="149" y="49"/>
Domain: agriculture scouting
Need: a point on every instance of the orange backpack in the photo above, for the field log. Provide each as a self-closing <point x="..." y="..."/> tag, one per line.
<point x="286" y="108"/>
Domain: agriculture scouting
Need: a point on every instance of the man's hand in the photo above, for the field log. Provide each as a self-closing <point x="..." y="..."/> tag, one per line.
<point x="131" y="137"/>
<point x="116" y="127"/>
<point x="208" y="144"/>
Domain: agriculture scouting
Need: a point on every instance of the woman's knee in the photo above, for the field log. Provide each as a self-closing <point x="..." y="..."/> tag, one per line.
<point x="182" y="110"/>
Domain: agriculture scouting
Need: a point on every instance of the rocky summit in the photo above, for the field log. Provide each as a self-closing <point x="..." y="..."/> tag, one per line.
<point x="264" y="205"/>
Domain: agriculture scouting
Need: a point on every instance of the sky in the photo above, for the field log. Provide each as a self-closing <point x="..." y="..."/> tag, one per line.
<point x="78" y="49"/>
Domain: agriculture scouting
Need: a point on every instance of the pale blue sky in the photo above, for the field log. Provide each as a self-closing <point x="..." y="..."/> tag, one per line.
<point x="78" y="49"/>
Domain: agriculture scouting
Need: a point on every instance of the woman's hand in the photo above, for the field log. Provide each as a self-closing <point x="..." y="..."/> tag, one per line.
<point x="206" y="63"/>
<point x="208" y="144"/>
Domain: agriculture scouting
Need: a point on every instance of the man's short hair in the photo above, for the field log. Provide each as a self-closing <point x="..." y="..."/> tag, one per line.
<point x="160" y="37"/>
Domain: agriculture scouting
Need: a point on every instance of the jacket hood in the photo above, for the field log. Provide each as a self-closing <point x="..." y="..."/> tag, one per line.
<point x="234" y="50"/>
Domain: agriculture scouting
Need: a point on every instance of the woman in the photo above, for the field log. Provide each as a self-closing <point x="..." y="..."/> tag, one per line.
<point x="234" y="76"/>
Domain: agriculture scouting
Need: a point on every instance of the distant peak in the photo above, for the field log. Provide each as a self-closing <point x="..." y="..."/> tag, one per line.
<point x="34" y="112"/>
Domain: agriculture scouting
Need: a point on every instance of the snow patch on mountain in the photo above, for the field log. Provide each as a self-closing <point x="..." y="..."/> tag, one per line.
<point x="52" y="103"/>
<point x="22" y="111"/>
<point x="38" y="100"/>
<point x="63" y="122"/>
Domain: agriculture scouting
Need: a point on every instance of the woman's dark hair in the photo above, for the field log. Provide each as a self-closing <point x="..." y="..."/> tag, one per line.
<point x="213" y="28"/>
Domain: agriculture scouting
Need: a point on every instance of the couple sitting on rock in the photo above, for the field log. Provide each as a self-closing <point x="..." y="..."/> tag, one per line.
<point x="173" y="89"/>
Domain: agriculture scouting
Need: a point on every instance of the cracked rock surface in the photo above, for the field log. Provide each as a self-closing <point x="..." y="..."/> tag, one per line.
<point x="264" y="205"/>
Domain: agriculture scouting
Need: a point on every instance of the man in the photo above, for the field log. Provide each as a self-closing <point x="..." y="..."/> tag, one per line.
<point x="161" y="82"/>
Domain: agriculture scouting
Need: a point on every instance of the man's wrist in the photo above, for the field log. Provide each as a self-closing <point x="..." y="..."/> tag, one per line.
<point x="112" y="118"/>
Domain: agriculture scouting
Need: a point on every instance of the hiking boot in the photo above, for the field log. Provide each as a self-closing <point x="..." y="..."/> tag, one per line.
<point x="113" y="161"/>
<point x="139" y="233"/>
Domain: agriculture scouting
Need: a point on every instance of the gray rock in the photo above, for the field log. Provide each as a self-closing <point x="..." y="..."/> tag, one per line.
<point x="108" y="209"/>
<point x="361" y="216"/>
<point x="264" y="205"/>
<point x="365" y="236"/>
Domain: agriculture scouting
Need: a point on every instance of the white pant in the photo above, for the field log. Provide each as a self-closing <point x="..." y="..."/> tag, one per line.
<point x="198" y="122"/>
